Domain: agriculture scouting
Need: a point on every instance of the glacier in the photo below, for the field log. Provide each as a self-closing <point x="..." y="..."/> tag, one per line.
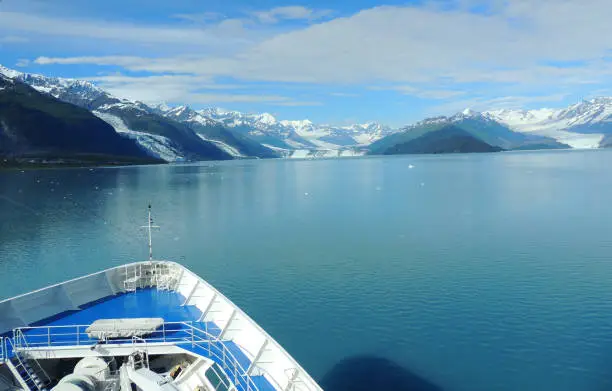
<point x="581" y="125"/>
<point x="158" y="146"/>
<point x="224" y="146"/>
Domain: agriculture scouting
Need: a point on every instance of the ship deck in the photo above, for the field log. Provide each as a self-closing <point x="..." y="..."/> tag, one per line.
<point x="148" y="303"/>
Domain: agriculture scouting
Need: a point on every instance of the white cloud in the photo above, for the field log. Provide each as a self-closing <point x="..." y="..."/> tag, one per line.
<point x="214" y="99"/>
<point x="22" y="62"/>
<point x="295" y="12"/>
<point x="13" y="39"/>
<point x="529" y="52"/>
<point x="422" y="93"/>
<point x="226" y="32"/>
<point x="344" y="94"/>
<point x="124" y="61"/>
<point x="200" y="17"/>
<point x="398" y="45"/>
<point x="503" y="102"/>
<point x="184" y="89"/>
<point x="294" y="103"/>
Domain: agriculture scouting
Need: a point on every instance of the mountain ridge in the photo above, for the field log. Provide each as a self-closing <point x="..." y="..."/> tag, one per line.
<point x="290" y="134"/>
<point x="39" y="127"/>
<point x="449" y="138"/>
<point x="183" y="133"/>
<point x="581" y="125"/>
<point x="479" y="126"/>
<point x="137" y="121"/>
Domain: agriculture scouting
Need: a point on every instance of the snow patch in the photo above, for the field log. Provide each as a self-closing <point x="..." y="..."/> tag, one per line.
<point x="325" y="153"/>
<point x="324" y="145"/>
<point x="267" y="118"/>
<point x="10" y="73"/>
<point x="43" y="89"/>
<point x="351" y="153"/>
<point x="300" y="154"/>
<point x="294" y="144"/>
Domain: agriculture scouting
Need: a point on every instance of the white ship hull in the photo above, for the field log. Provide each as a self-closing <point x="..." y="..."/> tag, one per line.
<point x="194" y="320"/>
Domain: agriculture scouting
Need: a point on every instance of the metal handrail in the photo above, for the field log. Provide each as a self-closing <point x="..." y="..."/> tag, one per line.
<point x="3" y="353"/>
<point x="40" y="337"/>
<point x="76" y="335"/>
<point x="19" y="336"/>
<point x="21" y="363"/>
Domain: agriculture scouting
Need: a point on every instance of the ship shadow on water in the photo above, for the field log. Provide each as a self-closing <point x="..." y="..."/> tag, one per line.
<point x="373" y="373"/>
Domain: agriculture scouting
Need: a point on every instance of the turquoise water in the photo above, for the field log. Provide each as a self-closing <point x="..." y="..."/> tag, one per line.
<point x="477" y="272"/>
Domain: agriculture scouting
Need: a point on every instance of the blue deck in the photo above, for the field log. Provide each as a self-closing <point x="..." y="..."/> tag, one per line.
<point x="146" y="303"/>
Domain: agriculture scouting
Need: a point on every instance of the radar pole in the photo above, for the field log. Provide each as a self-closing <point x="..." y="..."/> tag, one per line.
<point x="150" y="227"/>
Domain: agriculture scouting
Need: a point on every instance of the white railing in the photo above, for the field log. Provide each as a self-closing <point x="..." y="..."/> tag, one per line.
<point x="33" y="376"/>
<point x="36" y="368"/>
<point x="3" y="352"/>
<point x="76" y="335"/>
<point x="174" y="333"/>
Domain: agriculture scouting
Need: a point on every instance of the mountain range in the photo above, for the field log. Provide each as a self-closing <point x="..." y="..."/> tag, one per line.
<point x="115" y="127"/>
<point x="286" y="138"/>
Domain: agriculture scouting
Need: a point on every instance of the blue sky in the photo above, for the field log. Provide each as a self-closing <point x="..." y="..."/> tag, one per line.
<point x="333" y="62"/>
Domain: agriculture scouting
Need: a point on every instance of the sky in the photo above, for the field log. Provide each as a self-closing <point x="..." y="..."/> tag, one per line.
<point x="340" y="62"/>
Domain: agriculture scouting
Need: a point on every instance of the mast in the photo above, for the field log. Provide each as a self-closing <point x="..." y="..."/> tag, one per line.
<point x="150" y="227"/>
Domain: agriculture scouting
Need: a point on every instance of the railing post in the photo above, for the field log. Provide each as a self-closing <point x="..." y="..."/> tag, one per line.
<point x="48" y="336"/>
<point x="163" y="332"/>
<point x="227" y="325"/>
<point x="235" y="374"/>
<point x="191" y="292"/>
<point x="78" y="331"/>
<point x="257" y="357"/>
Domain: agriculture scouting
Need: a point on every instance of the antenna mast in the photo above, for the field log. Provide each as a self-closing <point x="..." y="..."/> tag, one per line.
<point x="150" y="227"/>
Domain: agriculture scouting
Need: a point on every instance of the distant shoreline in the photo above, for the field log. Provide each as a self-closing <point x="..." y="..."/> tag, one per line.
<point x="37" y="163"/>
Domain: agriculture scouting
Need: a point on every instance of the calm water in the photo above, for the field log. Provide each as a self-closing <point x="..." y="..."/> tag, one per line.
<point x="477" y="272"/>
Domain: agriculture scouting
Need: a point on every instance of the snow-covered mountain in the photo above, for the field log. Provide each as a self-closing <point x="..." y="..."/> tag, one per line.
<point x="581" y="125"/>
<point x="296" y="135"/>
<point x="36" y="127"/>
<point x="229" y="140"/>
<point x="480" y="126"/>
<point x="587" y="124"/>
<point x="162" y="138"/>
